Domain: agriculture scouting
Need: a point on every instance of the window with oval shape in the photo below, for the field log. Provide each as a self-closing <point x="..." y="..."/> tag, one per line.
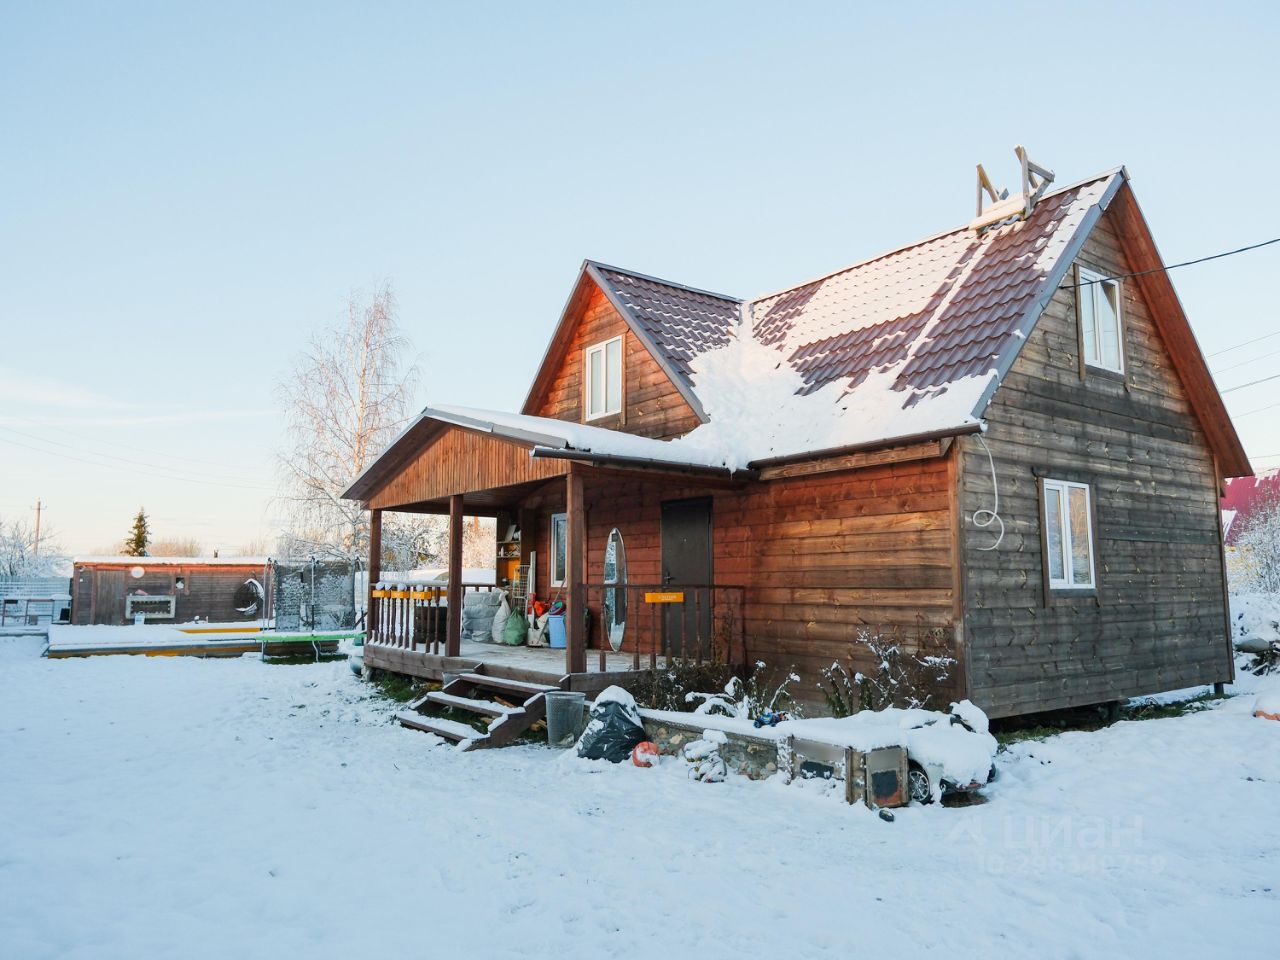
<point x="615" y="593"/>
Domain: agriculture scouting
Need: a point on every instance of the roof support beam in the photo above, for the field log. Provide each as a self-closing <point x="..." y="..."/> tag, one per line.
<point x="453" y="636"/>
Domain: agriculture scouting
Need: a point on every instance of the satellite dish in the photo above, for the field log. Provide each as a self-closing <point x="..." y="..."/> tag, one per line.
<point x="138" y="572"/>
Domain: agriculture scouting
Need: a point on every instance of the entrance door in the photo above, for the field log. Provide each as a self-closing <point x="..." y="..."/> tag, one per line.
<point x="686" y="564"/>
<point x="110" y="587"/>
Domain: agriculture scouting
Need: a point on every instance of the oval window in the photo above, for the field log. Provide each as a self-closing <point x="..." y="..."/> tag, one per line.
<point x="615" y="593"/>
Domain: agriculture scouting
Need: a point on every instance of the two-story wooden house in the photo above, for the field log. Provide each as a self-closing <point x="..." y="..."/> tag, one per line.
<point x="1004" y="433"/>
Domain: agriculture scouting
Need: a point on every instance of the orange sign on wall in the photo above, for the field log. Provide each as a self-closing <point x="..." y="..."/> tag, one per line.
<point x="675" y="596"/>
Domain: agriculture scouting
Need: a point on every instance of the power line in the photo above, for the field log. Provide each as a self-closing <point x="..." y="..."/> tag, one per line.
<point x="1251" y="383"/>
<point x="67" y="433"/>
<point x="1269" y="406"/>
<point x="138" y="463"/>
<point x="1175" y="266"/>
<point x="1265" y="336"/>
<point x="1245" y="363"/>
<point x="97" y="463"/>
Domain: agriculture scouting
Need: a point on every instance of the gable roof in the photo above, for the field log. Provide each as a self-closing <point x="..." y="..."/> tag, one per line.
<point x="675" y="323"/>
<point x="907" y="345"/>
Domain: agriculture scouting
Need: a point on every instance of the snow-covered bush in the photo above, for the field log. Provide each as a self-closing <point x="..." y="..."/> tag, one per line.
<point x="762" y="693"/>
<point x="1253" y="563"/>
<point x="901" y="674"/>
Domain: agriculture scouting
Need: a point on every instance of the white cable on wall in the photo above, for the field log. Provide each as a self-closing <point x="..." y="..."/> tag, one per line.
<point x="984" y="518"/>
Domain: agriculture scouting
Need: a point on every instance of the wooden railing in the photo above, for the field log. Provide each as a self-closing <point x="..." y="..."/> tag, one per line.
<point x="409" y="616"/>
<point x="695" y="623"/>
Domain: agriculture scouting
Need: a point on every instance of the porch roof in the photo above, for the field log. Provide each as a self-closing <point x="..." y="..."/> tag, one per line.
<point x="547" y="444"/>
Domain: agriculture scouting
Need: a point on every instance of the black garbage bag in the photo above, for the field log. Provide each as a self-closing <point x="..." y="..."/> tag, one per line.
<point x="615" y="727"/>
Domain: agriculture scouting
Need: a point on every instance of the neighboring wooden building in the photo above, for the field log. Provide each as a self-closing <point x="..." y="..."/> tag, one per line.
<point x="113" y="590"/>
<point x="1006" y="437"/>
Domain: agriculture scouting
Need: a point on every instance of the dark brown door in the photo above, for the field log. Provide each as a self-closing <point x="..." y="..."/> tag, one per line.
<point x="686" y="567"/>
<point x="110" y="608"/>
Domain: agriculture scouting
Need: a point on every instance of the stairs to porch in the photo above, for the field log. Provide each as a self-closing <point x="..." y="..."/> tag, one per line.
<point x="508" y="707"/>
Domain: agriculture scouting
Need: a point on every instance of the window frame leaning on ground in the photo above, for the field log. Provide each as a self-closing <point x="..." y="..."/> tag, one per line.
<point x="610" y="378"/>
<point x="1066" y="585"/>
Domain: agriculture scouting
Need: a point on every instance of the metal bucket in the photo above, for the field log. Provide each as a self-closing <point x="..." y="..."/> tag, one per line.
<point x="566" y="717"/>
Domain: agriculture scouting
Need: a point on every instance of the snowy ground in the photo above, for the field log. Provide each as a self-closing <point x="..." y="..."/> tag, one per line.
<point x="181" y="807"/>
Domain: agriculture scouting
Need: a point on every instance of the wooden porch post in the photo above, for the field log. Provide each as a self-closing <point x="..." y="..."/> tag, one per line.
<point x="575" y="566"/>
<point x="453" y="636"/>
<point x="375" y="572"/>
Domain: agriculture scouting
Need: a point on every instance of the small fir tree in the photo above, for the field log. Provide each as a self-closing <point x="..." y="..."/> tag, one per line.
<point x="139" y="537"/>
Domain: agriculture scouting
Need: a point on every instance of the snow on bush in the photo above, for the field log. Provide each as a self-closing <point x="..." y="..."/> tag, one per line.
<point x="1255" y="630"/>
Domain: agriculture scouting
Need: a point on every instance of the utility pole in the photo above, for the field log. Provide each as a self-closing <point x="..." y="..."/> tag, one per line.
<point x="39" y="507"/>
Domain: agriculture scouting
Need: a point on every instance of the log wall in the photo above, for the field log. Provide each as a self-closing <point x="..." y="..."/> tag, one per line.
<point x="1156" y="621"/>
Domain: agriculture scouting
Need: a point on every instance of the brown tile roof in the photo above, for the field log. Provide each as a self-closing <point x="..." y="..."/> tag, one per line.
<point x="680" y="322"/>
<point x="945" y="308"/>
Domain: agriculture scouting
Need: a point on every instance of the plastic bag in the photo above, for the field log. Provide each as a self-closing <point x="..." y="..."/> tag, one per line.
<point x="614" y="729"/>
<point x="497" y="632"/>
<point x="516" y="630"/>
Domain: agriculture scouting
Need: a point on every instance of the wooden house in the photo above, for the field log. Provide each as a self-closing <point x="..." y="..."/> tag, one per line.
<point x="1004" y="436"/>
<point x="116" y="590"/>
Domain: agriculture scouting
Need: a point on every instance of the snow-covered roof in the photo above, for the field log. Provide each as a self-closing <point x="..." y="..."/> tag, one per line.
<point x="119" y="561"/>
<point x="903" y="346"/>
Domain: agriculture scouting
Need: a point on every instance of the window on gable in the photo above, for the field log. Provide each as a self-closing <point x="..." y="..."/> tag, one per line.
<point x="1068" y="535"/>
<point x="1100" y="321"/>
<point x="603" y="364"/>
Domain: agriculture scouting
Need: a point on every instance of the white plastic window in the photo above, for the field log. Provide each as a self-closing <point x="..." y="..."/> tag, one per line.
<point x="559" y="547"/>
<point x="1069" y="535"/>
<point x="1100" y="321"/>
<point x="604" y="379"/>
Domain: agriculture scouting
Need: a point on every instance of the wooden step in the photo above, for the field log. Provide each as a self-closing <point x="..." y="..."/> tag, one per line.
<point x="448" y="729"/>
<point x="486" y="682"/>
<point x="486" y="707"/>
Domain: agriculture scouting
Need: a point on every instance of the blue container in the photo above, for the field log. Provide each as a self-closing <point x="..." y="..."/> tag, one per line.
<point x="555" y="631"/>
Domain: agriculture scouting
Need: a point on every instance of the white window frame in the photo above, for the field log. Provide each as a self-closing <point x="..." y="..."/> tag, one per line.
<point x="1092" y="287"/>
<point x="602" y="349"/>
<point x="1067" y="581"/>
<point x="555" y="549"/>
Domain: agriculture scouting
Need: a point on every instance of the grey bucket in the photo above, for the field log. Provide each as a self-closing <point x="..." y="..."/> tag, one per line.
<point x="566" y="713"/>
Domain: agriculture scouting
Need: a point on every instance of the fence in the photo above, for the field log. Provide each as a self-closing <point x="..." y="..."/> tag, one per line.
<point x="31" y="601"/>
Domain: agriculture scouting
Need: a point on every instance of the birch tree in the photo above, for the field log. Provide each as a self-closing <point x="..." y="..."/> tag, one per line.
<point x="345" y="400"/>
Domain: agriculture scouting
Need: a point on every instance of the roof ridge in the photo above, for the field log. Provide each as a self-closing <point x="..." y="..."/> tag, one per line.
<point x="929" y="239"/>
<point x="668" y="283"/>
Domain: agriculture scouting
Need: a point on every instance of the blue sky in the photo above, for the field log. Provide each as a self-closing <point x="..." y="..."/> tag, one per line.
<point x="192" y="189"/>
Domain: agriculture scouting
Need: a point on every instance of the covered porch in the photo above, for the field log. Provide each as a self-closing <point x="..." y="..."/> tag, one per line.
<point x="627" y="547"/>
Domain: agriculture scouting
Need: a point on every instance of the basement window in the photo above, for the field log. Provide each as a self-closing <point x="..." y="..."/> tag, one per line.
<point x="1100" y="335"/>
<point x="1068" y="535"/>
<point x="603" y="364"/>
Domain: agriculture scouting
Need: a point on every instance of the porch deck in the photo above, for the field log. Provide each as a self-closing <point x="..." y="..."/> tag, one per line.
<point x="529" y="664"/>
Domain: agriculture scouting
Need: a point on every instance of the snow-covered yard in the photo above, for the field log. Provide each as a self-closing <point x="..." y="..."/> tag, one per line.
<point x="180" y="807"/>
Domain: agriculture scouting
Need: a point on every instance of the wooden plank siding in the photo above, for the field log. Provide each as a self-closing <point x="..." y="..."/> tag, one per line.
<point x="824" y="558"/>
<point x="460" y="461"/>
<point x="209" y="591"/>
<point x="651" y="405"/>
<point x="1156" y="620"/>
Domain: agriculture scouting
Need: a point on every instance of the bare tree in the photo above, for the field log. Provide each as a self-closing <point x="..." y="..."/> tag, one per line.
<point x="21" y="556"/>
<point x="345" y="400"/>
<point x="1253" y="564"/>
<point x="176" y="547"/>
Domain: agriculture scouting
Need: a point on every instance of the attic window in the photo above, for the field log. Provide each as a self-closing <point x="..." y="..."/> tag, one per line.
<point x="1100" y="321"/>
<point x="603" y="364"/>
